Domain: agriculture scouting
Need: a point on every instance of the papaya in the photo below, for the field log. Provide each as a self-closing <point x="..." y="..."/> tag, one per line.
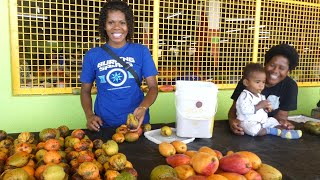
<point x="268" y="172"/>
<point x="236" y="163"/>
<point x="178" y="160"/>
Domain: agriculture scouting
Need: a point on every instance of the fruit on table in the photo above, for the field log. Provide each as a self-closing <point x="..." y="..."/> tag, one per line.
<point x="180" y="146"/>
<point x="162" y="171"/>
<point x="110" y="147"/>
<point x="131" y="136"/>
<point x="132" y="122"/>
<point x="166" y="149"/>
<point x="3" y="135"/>
<point x="184" y="171"/>
<point x="131" y="171"/>
<point x="64" y="130"/>
<point x="190" y="153"/>
<point x="17" y="173"/>
<point x="118" y="137"/>
<point x="97" y="143"/>
<point x="312" y="127"/>
<point x="146" y="127"/>
<point x="268" y="172"/>
<point x="216" y="177"/>
<point x="236" y="163"/>
<point x="123" y="129"/>
<point x="18" y="159"/>
<point x="78" y="133"/>
<point x="49" y="133"/>
<point x="54" y="172"/>
<point x="178" y="160"/>
<point x="26" y="137"/>
<point x="233" y="176"/>
<point x="88" y="170"/>
<point x="252" y="174"/>
<point x="204" y="163"/>
<point x="125" y="176"/>
<point x="253" y="158"/>
<point x="118" y="161"/>
<point x="208" y="150"/>
<point x="111" y="174"/>
<point x="166" y="131"/>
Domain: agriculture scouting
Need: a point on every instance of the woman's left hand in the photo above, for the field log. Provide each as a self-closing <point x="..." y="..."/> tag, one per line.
<point x="282" y="117"/>
<point x="286" y="124"/>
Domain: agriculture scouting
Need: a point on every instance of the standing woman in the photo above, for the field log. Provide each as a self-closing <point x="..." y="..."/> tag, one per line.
<point x="118" y="94"/>
<point x="280" y="89"/>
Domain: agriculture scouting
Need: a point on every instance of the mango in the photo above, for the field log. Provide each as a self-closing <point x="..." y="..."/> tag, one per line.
<point x="17" y="173"/>
<point x="233" y="176"/>
<point x="162" y="171"/>
<point x="118" y="161"/>
<point x="131" y="136"/>
<point x="132" y="122"/>
<point x="18" y="159"/>
<point x="268" y="172"/>
<point x="236" y="163"/>
<point x="253" y="158"/>
<point x="178" y="160"/>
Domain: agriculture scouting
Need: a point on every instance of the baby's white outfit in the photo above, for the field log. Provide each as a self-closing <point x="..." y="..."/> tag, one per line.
<point x="253" y="121"/>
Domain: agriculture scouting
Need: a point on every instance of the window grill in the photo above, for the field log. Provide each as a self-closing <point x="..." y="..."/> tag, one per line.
<point x="205" y="40"/>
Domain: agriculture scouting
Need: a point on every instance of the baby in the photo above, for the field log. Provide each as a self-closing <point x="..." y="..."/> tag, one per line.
<point x="252" y="107"/>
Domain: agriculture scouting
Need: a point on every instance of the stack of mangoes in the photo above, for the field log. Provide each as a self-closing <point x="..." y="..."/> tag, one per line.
<point x="312" y="127"/>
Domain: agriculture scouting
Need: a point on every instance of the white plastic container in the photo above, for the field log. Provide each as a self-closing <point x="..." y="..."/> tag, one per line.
<point x="196" y="105"/>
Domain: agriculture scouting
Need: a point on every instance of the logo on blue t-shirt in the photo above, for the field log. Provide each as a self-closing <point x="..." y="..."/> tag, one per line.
<point x="115" y="77"/>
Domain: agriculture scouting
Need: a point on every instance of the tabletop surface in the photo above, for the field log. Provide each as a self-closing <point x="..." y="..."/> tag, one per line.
<point x="296" y="159"/>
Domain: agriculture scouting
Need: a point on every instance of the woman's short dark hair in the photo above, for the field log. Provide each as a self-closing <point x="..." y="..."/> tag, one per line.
<point x="120" y="6"/>
<point x="286" y="51"/>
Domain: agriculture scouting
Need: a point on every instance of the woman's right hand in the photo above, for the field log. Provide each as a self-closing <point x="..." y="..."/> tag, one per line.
<point x="235" y="127"/>
<point x="94" y="123"/>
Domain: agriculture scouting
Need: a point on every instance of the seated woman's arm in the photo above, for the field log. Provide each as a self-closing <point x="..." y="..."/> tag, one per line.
<point x="233" y="121"/>
<point x="282" y="117"/>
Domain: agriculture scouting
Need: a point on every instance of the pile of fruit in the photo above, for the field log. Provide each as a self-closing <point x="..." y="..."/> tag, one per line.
<point x="210" y="164"/>
<point x="312" y="127"/>
<point x="59" y="155"/>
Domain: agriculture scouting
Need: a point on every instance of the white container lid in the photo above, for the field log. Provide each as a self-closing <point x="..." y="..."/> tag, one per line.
<point x="156" y="137"/>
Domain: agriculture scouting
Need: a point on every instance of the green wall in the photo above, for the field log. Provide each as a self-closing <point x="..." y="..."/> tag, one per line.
<point x="33" y="113"/>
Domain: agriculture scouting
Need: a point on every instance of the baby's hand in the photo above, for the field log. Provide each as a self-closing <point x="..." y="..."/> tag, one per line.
<point x="268" y="108"/>
<point x="264" y="104"/>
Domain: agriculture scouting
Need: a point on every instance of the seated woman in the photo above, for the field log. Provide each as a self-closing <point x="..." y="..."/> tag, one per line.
<point x="280" y="89"/>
